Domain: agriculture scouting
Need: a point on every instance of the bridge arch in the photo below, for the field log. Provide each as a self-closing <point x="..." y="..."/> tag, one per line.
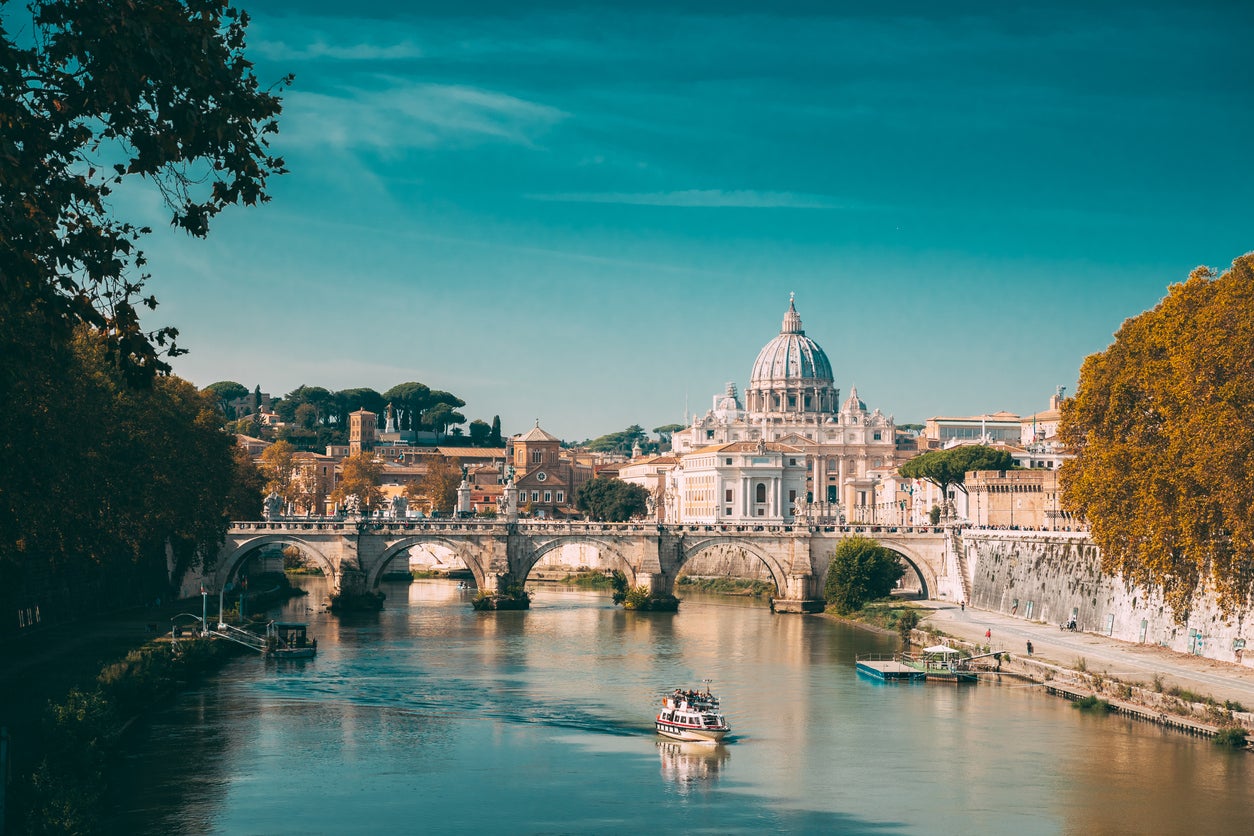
<point x="243" y="550"/>
<point x="778" y="575"/>
<point x="603" y="547"/>
<point x="908" y="554"/>
<point x="457" y="547"/>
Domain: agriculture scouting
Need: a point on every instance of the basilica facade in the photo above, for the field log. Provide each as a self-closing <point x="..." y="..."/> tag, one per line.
<point x="790" y="448"/>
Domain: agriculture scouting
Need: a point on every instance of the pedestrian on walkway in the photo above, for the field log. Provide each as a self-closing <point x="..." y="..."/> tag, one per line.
<point x="964" y="606"/>
<point x="1029" y="647"/>
<point x="988" y="634"/>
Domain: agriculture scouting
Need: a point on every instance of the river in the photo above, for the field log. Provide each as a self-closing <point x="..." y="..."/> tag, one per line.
<point x="432" y="718"/>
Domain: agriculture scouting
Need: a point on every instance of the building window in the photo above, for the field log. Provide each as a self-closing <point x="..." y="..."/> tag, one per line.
<point x="727" y="511"/>
<point x="792" y="462"/>
<point x="878" y="436"/>
<point x="541" y="476"/>
<point x="727" y="462"/>
<point x="561" y="497"/>
<point x="761" y="492"/>
<point x="535" y="496"/>
<point x="761" y="512"/>
<point x="729" y="495"/>
<point x="548" y="496"/>
<point x="537" y="456"/>
<point x="709" y="433"/>
<point x="792" y="496"/>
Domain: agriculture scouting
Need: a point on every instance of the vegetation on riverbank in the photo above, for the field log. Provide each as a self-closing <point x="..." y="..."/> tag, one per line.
<point x="889" y="615"/>
<point x="729" y="586"/>
<point x="68" y="790"/>
<point x="1156" y="390"/>
<point x="1235" y="737"/>
<point x="1092" y="703"/>
<point x="861" y="570"/>
<point x="589" y="580"/>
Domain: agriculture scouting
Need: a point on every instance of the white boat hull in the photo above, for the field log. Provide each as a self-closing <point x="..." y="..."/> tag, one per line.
<point x="690" y="733"/>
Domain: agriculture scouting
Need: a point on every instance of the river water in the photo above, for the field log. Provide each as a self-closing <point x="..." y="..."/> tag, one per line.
<point x="432" y="718"/>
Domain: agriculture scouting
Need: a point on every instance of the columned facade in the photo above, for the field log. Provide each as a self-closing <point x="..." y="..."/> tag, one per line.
<point x="792" y="400"/>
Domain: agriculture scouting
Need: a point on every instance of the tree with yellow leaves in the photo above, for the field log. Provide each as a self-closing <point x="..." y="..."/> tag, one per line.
<point x="437" y="488"/>
<point x="1163" y="422"/>
<point x="360" y="476"/>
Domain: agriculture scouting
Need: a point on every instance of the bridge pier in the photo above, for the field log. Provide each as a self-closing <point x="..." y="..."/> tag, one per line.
<point x="798" y="605"/>
<point x="354" y="593"/>
<point x="799" y="596"/>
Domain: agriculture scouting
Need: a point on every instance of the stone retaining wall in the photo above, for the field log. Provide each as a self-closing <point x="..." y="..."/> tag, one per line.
<point x="1047" y="576"/>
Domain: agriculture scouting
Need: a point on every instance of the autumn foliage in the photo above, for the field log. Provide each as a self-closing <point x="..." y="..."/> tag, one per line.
<point x="1163" y="422"/>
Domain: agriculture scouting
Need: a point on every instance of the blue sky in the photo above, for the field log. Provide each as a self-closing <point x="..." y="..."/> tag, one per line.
<point x="590" y="213"/>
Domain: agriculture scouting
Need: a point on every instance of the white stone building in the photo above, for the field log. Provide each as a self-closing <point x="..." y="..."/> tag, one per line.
<point x="742" y="482"/>
<point x="792" y="400"/>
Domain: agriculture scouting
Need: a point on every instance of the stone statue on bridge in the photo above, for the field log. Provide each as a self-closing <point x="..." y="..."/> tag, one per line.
<point x="352" y="505"/>
<point x="273" y="506"/>
<point x="400" y="506"/>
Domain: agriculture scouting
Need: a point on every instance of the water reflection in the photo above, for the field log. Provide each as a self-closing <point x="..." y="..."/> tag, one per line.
<point x="410" y="718"/>
<point x="690" y="765"/>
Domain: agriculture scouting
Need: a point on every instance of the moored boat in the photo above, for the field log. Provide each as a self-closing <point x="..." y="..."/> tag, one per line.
<point x="693" y="716"/>
<point x="287" y="640"/>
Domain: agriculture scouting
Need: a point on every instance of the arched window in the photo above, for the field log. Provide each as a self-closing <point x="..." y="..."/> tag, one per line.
<point x="761" y="494"/>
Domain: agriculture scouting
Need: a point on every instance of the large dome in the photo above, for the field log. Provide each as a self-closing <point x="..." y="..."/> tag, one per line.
<point x="792" y="374"/>
<point x="791" y="356"/>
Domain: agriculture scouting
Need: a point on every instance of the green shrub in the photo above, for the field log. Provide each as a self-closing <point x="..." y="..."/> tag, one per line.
<point x="1233" y="736"/>
<point x="1093" y="704"/>
<point x="906" y="622"/>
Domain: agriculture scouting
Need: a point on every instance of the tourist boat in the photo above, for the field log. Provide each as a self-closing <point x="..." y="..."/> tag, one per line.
<point x="693" y="716"/>
<point x="288" y="640"/>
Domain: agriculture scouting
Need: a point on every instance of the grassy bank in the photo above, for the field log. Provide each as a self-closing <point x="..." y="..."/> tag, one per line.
<point x="729" y="586"/>
<point x="888" y="616"/>
<point x="82" y="733"/>
<point x="589" y="580"/>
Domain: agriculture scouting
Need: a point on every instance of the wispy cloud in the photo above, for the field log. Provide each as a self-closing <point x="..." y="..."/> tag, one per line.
<point x="398" y="114"/>
<point x="321" y="49"/>
<point x="703" y="198"/>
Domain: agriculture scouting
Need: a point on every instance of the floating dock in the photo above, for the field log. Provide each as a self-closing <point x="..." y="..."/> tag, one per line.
<point x="889" y="669"/>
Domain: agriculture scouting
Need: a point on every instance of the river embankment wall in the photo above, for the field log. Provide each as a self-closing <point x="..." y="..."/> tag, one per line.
<point x="1049" y="576"/>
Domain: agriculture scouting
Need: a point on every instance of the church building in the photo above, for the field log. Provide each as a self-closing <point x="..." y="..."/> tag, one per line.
<point x="792" y="409"/>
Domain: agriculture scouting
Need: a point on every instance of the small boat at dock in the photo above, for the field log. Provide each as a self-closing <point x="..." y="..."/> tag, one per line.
<point x="289" y="640"/>
<point x="693" y="716"/>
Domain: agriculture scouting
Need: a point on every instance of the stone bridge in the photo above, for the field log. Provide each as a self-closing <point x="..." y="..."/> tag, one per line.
<point x="354" y="554"/>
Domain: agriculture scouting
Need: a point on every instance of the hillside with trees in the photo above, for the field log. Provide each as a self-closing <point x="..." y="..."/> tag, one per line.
<point x="314" y="416"/>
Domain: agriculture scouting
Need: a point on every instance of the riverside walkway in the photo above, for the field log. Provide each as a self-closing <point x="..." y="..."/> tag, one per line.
<point x="1123" y="660"/>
